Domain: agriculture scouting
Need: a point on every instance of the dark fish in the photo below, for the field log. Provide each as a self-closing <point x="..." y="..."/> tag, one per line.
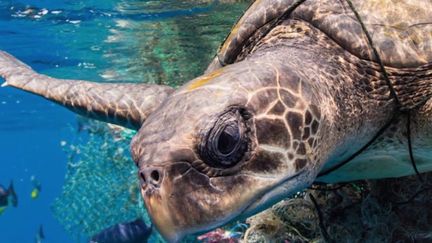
<point x="40" y="235"/>
<point x="8" y="196"/>
<point x="3" y="196"/>
<point x="12" y="195"/>
<point x="131" y="232"/>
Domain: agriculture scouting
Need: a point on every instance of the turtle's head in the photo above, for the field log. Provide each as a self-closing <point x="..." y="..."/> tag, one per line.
<point x="226" y="145"/>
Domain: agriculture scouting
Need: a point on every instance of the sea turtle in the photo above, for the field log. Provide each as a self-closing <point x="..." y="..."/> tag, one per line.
<point x="301" y="91"/>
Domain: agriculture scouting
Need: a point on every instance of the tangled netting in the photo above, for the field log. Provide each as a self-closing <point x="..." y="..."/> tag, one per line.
<point x="389" y="210"/>
<point x="101" y="187"/>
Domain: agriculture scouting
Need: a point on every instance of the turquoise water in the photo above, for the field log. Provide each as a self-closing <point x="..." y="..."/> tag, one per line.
<point x="106" y="41"/>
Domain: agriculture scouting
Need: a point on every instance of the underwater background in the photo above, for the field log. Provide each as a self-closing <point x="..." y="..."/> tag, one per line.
<point x="74" y="177"/>
<point x="86" y="177"/>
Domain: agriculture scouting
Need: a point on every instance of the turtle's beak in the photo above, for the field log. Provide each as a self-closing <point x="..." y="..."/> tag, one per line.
<point x="185" y="201"/>
<point x="166" y="201"/>
<point x="154" y="190"/>
<point x="162" y="218"/>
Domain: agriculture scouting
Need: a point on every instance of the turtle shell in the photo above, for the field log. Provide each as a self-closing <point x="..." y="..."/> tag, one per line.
<point x="400" y="30"/>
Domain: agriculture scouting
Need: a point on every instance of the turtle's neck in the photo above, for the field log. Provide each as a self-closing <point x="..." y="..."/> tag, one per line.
<point x="350" y="92"/>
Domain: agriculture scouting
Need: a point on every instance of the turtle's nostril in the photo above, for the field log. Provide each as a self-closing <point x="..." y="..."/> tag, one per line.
<point x="142" y="179"/>
<point x="150" y="177"/>
<point x="155" y="175"/>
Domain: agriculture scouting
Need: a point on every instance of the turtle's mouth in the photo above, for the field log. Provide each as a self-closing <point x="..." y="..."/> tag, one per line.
<point x="173" y="223"/>
<point x="273" y="194"/>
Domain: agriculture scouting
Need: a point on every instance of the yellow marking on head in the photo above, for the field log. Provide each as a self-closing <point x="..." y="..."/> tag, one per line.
<point x="203" y="80"/>
<point x="2" y="209"/>
<point x="230" y="38"/>
<point x="236" y="27"/>
<point x="34" y="193"/>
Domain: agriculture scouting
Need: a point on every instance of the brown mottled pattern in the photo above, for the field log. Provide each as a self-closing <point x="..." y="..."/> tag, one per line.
<point x="401" y="30"/>
<point x="127" y="105"/>
<point x="356" y="87"/>
<point x="412" y="85"/>
<point x="388" y="156"/>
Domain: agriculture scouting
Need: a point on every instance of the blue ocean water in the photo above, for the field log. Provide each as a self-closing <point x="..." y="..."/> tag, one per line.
<point x="103" y="40"/>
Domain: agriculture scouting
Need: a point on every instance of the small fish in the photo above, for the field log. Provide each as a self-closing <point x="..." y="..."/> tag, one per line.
<point x="40" y="235"/>
<point x="2" y="209"/>
<point x="34" y="193"/>
<point x="36" y="188"/>
<point x="131" y="232"/>
<point x="7" y="197"/>
<point x="13" y="198"/>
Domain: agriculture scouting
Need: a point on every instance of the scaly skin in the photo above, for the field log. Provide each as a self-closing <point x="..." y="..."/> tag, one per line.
<point x="294" y="90"/>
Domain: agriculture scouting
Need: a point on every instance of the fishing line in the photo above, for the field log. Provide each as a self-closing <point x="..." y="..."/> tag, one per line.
<point x="397" y="112"/>
<point x="362" y="149"/>
<point x="324" y="233"/>
<point x="410" y="147"/>
<point x="319" y="187"/>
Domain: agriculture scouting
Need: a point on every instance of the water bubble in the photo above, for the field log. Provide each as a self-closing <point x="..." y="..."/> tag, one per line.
<point x="74" y="21"/>
<point x="88" y="65"/>
<point x="43" y="11"/>
<point x="95" y="48"/>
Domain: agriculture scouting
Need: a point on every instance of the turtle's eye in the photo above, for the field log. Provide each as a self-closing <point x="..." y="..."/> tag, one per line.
<point x="226" y="143"/>
<point x="228" y="139"/>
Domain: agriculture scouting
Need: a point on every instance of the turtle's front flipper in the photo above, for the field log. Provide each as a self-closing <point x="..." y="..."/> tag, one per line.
<point x="123" y="104"/>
